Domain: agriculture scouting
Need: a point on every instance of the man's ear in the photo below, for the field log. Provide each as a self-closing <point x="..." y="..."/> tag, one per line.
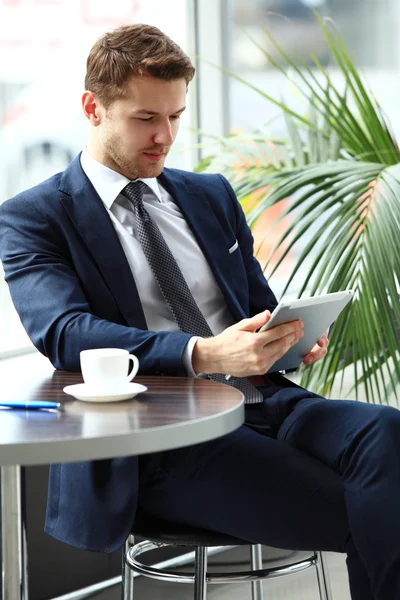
<point x="91" y="108"/>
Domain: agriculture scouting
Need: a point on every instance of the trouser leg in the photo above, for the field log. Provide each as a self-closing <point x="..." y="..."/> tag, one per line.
<point x="359" y="581"/>
<point x="251" y="486"/>
<point x="256" y="488"/>
<point x="362" y="443"/>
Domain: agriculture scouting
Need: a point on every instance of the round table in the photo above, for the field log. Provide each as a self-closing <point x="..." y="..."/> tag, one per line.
<point x="174" y="412"/>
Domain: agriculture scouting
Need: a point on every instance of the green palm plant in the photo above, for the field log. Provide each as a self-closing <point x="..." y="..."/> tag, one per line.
<point x="339" y="175"/>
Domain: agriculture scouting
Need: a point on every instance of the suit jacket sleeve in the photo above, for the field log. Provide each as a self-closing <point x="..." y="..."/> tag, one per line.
<point x="64" y="301"/>
<point x="49" y="296"/>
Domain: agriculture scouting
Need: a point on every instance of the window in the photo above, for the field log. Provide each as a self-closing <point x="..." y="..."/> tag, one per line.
<point x="369" y="29"/>
<point x="43" y="48"/>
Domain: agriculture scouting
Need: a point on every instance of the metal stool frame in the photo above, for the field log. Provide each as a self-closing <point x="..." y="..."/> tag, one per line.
<point x="201" y="577"/>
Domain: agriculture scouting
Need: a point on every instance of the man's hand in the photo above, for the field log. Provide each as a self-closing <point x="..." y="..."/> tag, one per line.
<point x="319" y="351"/>
<point x="240" y="351"/>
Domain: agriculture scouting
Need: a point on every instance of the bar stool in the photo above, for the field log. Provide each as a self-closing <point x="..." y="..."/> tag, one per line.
<point x="158" y="533"/>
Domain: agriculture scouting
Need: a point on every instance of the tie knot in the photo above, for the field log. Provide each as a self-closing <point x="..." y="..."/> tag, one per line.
<point x="134" y="191"/>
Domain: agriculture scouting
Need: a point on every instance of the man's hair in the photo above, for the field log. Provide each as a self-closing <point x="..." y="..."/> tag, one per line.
<point x="133" y="50"/>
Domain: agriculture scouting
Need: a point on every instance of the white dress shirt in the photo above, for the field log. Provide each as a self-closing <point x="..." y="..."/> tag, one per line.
<point x="181" y="241"/>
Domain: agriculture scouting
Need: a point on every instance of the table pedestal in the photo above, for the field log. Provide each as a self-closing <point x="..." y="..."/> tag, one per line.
<point x="13" y="534"/>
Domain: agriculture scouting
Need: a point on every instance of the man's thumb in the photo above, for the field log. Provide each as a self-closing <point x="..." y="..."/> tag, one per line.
<point x="257" y="321"/>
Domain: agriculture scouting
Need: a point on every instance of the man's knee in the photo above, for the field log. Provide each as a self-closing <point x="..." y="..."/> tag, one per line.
<point x="387" y="426"/>
<point x="389" y="416"/>
<point x="382" y="422"/>
<point x="375" y="443"/>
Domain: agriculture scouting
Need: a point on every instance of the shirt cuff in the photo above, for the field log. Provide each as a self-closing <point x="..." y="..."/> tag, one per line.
<point x="187" y="356"/>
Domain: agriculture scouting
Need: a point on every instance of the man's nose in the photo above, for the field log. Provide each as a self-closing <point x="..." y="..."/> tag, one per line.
<point x="164" y="134"/>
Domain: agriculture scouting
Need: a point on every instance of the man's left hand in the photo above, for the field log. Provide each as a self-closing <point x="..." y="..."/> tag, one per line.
<point x="319" y="351"/>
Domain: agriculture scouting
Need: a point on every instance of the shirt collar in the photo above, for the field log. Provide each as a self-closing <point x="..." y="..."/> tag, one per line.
<point x="108" y="183"/>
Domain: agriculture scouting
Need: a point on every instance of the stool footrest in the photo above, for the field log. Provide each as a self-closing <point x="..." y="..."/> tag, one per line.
<point x="214" y="577"/>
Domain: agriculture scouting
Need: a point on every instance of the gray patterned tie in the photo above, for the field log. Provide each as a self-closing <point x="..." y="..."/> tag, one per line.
<point x="172" y="284"/>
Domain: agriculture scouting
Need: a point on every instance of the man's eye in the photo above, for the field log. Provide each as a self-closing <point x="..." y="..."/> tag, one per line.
<point x="144" y="118"/>
<point x="175" y="117"/>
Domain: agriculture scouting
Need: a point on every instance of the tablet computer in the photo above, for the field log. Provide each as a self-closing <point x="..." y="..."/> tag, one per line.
<point x="317" y="313"/>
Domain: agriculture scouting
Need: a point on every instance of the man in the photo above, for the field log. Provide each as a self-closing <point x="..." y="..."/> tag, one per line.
<point x="118" y="251"/>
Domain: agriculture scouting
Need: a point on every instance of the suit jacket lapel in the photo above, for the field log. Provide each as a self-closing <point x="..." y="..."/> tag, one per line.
<point x="206" y="228"/>
<point x="90" y="218"/>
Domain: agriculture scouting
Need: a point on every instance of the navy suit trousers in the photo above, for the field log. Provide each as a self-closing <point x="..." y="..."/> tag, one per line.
<point x="303" y="472"/>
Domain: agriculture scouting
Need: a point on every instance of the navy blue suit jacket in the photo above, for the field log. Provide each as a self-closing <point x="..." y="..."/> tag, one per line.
<point x="73" y="289"/>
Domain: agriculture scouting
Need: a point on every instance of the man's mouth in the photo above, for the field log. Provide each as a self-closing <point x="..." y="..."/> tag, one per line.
<point x="154" y="155"/>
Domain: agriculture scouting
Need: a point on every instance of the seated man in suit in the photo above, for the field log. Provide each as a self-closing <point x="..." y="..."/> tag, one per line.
<point x="117" y="251"/>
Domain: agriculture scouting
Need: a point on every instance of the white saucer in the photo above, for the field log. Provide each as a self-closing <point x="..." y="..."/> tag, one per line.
<point x="87" y="393"/>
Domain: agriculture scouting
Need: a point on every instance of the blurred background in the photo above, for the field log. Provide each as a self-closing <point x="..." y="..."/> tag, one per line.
<point x="44" y="44"/>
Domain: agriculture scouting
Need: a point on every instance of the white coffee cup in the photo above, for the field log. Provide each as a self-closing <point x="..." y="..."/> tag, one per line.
<point x="108" y="367"/>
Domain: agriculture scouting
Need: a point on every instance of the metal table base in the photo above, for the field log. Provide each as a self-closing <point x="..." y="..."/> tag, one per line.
<point x="14" y="544"/>
<point x="13" y="534"/>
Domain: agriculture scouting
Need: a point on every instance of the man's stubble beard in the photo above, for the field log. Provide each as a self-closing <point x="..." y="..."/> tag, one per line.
<point x="129" y="168"/>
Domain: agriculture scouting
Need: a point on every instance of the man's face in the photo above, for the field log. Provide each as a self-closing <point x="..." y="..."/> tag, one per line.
<point x="136" y="133"/>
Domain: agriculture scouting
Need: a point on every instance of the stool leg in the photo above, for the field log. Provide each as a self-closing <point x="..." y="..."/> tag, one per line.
<point x="256" y="563"/>
<point x="325" y="592"/>
<point x="200" y="573"/>
<point x="127" y="573"/>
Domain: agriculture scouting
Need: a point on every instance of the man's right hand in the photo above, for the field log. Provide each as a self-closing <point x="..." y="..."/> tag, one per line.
<point x="242" y="352"/>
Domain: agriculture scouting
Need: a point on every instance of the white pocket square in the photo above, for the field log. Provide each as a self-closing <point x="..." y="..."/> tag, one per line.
<point x="235" y="245"/>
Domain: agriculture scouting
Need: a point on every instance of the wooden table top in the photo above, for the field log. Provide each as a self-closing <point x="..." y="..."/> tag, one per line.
<point x="174" y="412"/>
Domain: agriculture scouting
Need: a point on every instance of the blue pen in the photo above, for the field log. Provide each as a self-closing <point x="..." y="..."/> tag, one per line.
<point x="31" y="404"/>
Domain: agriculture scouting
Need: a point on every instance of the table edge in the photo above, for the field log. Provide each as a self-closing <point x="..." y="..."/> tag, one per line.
<point x="144" y="441"/>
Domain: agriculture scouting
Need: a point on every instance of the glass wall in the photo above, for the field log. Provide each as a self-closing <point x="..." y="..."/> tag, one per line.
<point x="43" y="48"/>
<point x="369" y="29"/>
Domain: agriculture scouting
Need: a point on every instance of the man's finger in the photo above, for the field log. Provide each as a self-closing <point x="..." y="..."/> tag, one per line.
<point x="314" y="355"/>
<point x="280" y="331"/>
